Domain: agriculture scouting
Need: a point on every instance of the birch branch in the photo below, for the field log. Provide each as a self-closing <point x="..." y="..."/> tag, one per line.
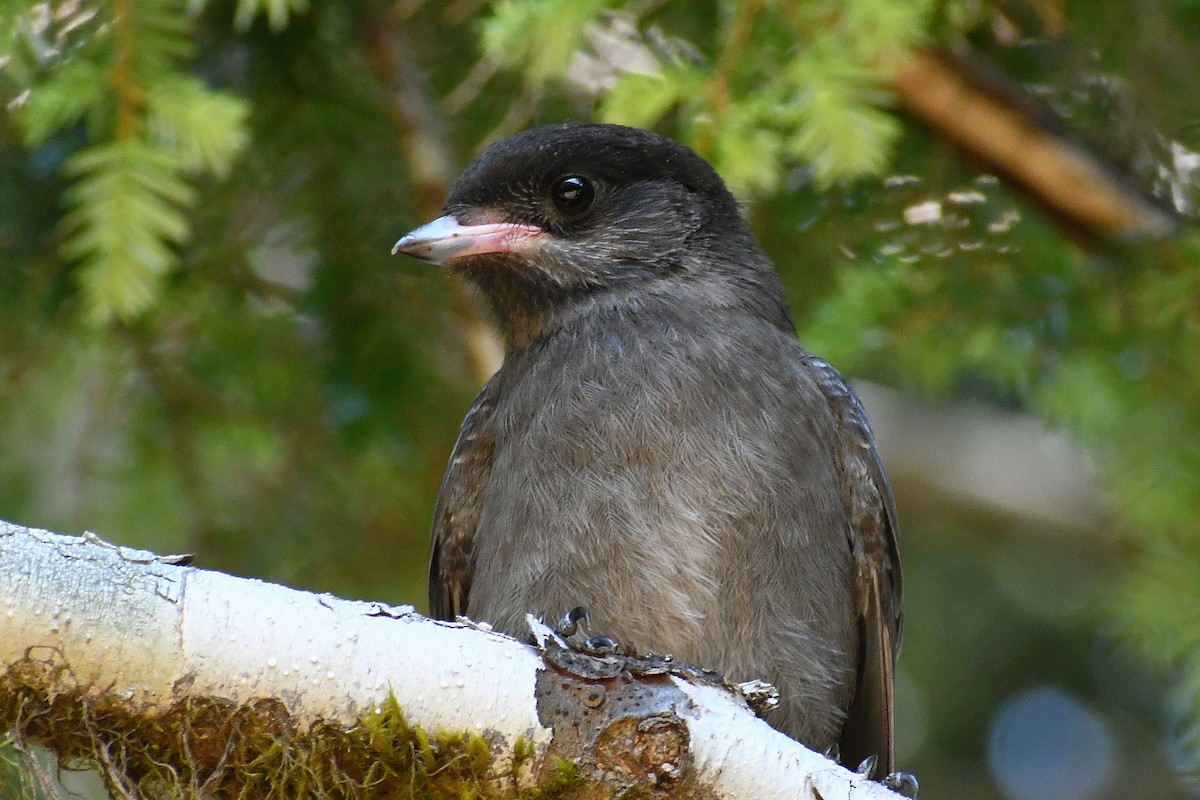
<point x="160" y="648"/>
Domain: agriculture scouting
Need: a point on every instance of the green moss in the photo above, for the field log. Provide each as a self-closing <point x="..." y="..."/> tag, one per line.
<point x="217" y="749"/>
<point x="561" y="781"/>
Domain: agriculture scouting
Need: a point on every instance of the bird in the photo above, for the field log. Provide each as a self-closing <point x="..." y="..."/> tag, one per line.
<point x="657" y="447"/>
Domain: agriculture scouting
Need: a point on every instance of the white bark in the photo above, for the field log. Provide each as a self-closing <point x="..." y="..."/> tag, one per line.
<point x="129" y="623"/>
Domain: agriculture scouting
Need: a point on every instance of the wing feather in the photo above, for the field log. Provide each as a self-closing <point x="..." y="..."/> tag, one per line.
<point x="452" y="556"/>
<point x="872" y="528"/>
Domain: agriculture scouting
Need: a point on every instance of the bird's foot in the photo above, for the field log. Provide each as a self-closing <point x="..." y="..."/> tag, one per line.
<point x="573" y="627"/>
<point x="904" y="783"/>
<point x="600" y="645"/>
<point x="572" y="621"/>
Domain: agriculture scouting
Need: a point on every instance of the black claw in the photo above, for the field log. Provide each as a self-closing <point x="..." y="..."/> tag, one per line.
<point x="573" y="627"/>
<point x="904" y="783"/>
<point x="867" y="767"/>
<point x="569" y="625"/>
<point x="833" y="752"/>
<point x="601" y="645"/>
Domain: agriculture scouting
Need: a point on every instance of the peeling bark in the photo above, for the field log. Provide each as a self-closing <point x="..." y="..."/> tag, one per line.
<point x="180" y="680"/>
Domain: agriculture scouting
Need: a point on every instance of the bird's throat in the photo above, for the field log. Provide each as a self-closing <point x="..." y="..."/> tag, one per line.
<point x="523" y="309"/>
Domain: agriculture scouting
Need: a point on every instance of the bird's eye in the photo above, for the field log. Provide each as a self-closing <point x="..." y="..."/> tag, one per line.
<point x="573" y="194"/>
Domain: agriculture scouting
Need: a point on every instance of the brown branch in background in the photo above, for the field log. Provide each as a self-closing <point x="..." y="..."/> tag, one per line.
<point x="459" y="11"/>
<point x="737" y="38"/>
<point x="997" y="123"/>
<point x="129" y="94"/>
<point x="517" y="118"/>
<point x="469" y="88"/>
<point x="424" y="142"/>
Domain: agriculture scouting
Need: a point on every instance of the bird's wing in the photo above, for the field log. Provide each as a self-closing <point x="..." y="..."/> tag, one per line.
<point x="452" y="557"/>
<point x="871" y="514"/>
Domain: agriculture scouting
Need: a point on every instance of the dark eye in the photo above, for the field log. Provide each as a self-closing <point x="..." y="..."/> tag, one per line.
<point x="572" y="194"/>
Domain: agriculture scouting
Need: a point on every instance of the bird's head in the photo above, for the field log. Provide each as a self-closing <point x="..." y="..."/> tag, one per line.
<point x="561" y="214"/>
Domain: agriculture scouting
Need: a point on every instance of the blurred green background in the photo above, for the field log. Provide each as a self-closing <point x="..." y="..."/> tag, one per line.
<point x="205" y="346"/>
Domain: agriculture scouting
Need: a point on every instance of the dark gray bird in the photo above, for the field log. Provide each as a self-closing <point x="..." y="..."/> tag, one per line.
<point x="657" y="447"/>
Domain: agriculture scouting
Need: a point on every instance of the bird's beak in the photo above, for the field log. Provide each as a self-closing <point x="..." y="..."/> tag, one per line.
<point x="445" y="239"/>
